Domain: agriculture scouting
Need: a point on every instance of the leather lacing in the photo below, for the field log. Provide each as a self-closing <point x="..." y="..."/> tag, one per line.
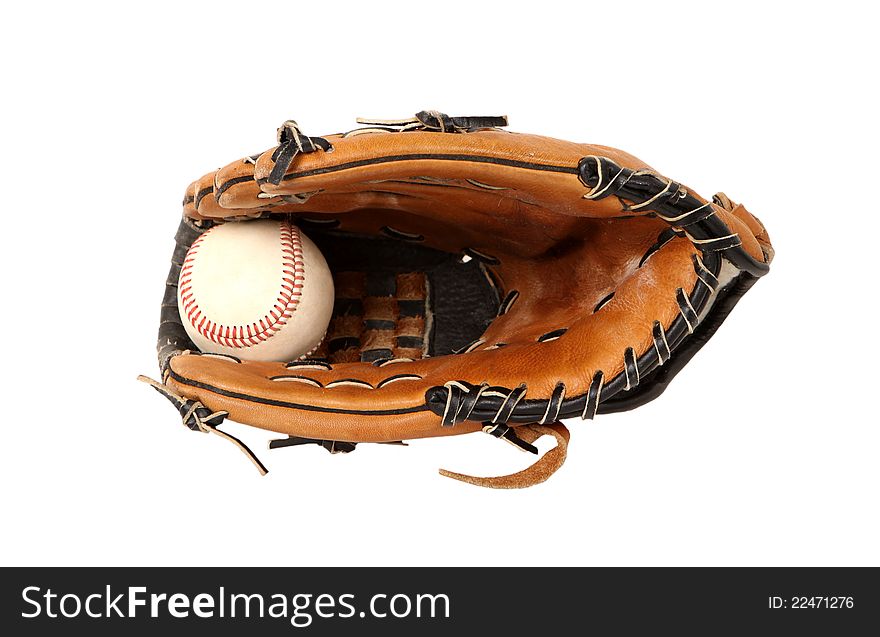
<point x="197" y="417"/>
<point x="437" y="121"/>
<point x="545" y="467"/>
<point x="292" y="142"/>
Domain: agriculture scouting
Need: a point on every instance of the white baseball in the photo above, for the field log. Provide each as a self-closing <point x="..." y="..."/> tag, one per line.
<point x="258" y="290"/>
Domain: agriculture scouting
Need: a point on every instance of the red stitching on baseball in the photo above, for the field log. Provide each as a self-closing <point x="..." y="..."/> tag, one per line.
<point x="270" y="323"/>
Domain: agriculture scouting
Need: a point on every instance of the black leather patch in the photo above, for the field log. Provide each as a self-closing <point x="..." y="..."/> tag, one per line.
<point x="462" y="300"/>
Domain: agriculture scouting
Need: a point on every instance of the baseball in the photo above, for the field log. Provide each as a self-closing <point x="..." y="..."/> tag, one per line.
<point x="258" y="290"/>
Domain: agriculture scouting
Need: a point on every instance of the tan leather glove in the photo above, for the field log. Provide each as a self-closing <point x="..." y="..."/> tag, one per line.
<point x="485" y="280"/>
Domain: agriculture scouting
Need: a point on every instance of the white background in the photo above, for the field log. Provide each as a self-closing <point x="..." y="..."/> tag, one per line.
<point x="764" y="451"/>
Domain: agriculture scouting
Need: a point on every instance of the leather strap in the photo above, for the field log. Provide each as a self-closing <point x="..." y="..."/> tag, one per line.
<point x="197" y="417"/>
<point x="545" y="467"/>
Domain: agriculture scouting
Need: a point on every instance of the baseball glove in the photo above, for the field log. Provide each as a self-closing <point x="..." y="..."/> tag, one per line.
<point x="485" y="281"/>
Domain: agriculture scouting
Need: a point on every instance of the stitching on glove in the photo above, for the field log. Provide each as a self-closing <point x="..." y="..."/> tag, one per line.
<point x="393" y="361"/>
<point x="716" y="244"/>
<point x="704" y="274"/>
<point x="480" y="184"/>
<point x="660" y="343"/>
<point x="669" y="201"/>
<point x="603" y="302"/>
<point x="470" y="348"/>
<point x="552" y="336"/>
<point x="307" y="364"/>
<point x="663" y="194"/>
<point x="400" y="234"/>
<point x="479" y="256"/>
<point x="689" y="218"/>
<point x="554" y="404"/>
<point x="230" y="357"/>
<point x="297" y="379"/>
<point x="630" y="368"/>
<point x="397" y="378"/>
<point x="465" y="398"/>
<point x="508" y="302"/>
<point x="594" y="396"/>
<point x="349" y="382"/>
<point x="688" y="313"/>
<point x="665" y="237"/>
<point x="510" y="403"/>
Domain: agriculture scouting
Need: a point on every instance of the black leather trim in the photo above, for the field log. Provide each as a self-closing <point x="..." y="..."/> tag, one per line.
<point x="655" y="383"/>
<point x="672" y="203"/>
